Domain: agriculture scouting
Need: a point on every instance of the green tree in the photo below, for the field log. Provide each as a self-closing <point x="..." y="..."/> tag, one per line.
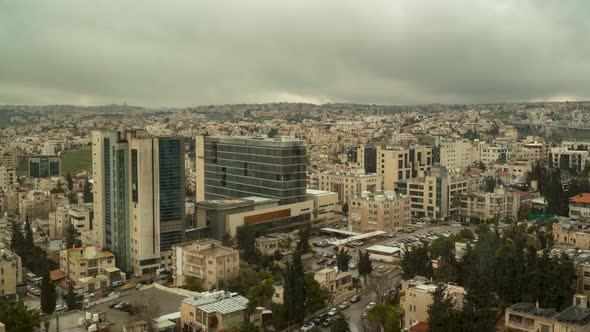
<point x="246" y="240"/>
<point x="70" y="182"/>
<point x="16" y="317"/>
<point x="466" y="234"/>
<point x="48" y="294"/>
<point x="58" y="189"/>
<point x="28" y="233"/>
<point x="365" y="266"/>
<point x="342" y="260"/>
<point x="72" y="197"/>
<point x="317" y="295"/>
<point x="72" y="297"/>
<point x="340" y="324"/>
<point x="384" y="318"/>
<point x="294" y="294"/>
<point x="480" y="305"/>
<point x="443" y="314"/>
<point x="87" y="193"/>
<point x="489" y="184"/>
<point x="416" y="262"/>
<point x="193" y="284"/>
<point x="227" y="240"/>
<point x="17" y="240"/>
<point x="345" y="208"/>
<point x="72" y="237"/>
<point x="303" y="244"/>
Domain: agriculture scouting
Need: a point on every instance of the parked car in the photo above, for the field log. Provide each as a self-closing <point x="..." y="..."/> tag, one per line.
<point x="320" y="319"/>
<point x="307" y="326"/>
<point x="111" y="294"/>
<point x="61" y="307"/>
<point x="114" y="304"/>
<point x="327" y="322"/>
<point x="88" y="295"/>
<point x="355" y="299"/>
<point x="333" y="311"/>
<point x="122" y="304"/>
<point x="371" y="305"/>
<point x="365" y="314"/>
<point x="344" y="305"/>
<point x="136" y="275"/>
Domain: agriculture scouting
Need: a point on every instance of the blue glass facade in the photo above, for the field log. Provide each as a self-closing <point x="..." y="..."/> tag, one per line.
<point x="171" y="195"/>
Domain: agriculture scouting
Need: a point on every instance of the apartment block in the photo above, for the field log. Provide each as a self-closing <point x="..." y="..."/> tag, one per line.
<point x="524" y="317"/>
<point x="79" y="215"/>
<point x="235" y="167"/>
<point x="86" y="265"/>
<point x="571" y="234"/>
<point x="563" y="158"/>
<point x="326" y="208"/>
<point x="435" y="195"/>
<point x="580" y="207"/>
<point x="207" y="260"/>
<point x="382" y="211"/>
<point x="501" y="204"/>
<point x="7" y="177"/>
<point x="418" y="296"/>
<point x="400" y="163"/>
<point x="11" y="274"/>
<point x="349" y="184"/>
<point x="38" y="204"/>
<point x="456" y="155"/>
<point x="44" y="166"/>
<point x="337" y="282"/>
<point x="490" y="154"/>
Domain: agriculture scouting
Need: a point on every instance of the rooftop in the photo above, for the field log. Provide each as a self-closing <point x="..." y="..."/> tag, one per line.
<point x="581" y="198"/>
<point x="317" y="192"/>
<point x="221" y="302"/>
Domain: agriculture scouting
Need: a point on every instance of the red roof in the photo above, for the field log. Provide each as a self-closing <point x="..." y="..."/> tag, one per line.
<point x="56" y="275"/>
<point x="581" y="198"/>
<point x="473" y="172"/>
<point x="420" y="327"/>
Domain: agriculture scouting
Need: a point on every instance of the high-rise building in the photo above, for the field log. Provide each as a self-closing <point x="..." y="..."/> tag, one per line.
<point x="44" y="167"/>
<point x="233" y="167"/>
<point x="400" y="163"/>
<point x="139" y="197"/>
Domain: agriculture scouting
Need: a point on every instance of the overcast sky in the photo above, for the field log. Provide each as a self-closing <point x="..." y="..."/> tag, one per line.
<point x="194" y="52"/>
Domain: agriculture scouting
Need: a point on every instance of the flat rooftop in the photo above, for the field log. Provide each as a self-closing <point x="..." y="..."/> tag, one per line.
<point x="223" y="204"/>
<point x="281" y="141"/>
<point x="318" y="192"/>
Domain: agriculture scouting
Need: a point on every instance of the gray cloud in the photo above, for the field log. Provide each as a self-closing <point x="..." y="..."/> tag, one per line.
<point x="179" y="53"/>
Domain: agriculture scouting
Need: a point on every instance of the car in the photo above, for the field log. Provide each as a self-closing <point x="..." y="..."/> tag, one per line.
<point x="352" y="265"/>
<point x="138" y="287"/>
<point x="365" y="314"/>
<point x="307" y="326"/>
<point x="122" y="304"/>
<point x="355" y="299"/>
<point x="320" y="319"/>
<point x="111" y="294"/>
<point x="333" y="311"/>
<point x="88" y="295"/>
<point x="327" y="322"/>
<point x="371" y="305"/>
<point x="344" y="305"/>
<point x="146" y="281"/>
<point x="114" y="304"/>
<point x="61" y="307"/>
<point x="136" y="275"/>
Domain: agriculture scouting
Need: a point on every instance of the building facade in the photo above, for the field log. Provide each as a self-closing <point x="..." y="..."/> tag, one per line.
<point x="86" y="262"/>
<point x="400" y="163"/>
<point x="44" y="166"/>
<point x="501" y="204"/>
<point x="234" y="167"/>
<point x="580" y="207"/>
<point x="349" y="184"/>
<point x="11" y="274"/>
<point x="382" y="211"/>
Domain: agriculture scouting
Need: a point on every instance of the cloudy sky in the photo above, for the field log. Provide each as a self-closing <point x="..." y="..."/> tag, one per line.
<point x="194" y="52"/>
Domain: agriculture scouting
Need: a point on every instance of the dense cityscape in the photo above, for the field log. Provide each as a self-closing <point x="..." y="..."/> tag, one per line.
<point x="291" y="216"/>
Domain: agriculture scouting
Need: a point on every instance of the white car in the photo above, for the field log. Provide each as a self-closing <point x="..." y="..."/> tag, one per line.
<point x="333" y="311"/>
<point x="371" y="305"/>
<point x="352" y="265"/>
<point x="88" y="295"/>
<point x="136" y="275"/>
<point x="61" y="307"/>
<point x="307" y="326"/>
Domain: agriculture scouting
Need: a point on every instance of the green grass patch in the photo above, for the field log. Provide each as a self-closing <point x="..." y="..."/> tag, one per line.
<point x="426" y="140"/>
<point x="76" y="161"/>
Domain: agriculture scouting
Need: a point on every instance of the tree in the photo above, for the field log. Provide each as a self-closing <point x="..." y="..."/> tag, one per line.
<point x="416" y="262"/>
<point x="317" y="295"/>
<point x="294" y="294"/>
<point x="17" y="239"/>
<point x="384" y="318"/>
<point x="70" y="182"/>
<point x="443" y="314"/>
<point x="58" y="189"/>
<point x="365" y="266"/>
<point x="193" y="284"/>
<point x="48" y="294"/>
<point x="345" y="208"/>
<point x="340" y="324"/>
<point x="480" y="305"/>
<point x="489" y="184"/>
<point x="273" y="132"/>
<point x="72" y="237"/>
<point x="28" y="234"/>
<point x="227" y="240"/>
<point x="466" y="234"/>
<point x="72" y="197"/>
<point x="150" y="310"/>
<point x="303" y="244"/>
<point x="246" y="240"/>
<point x="72" y="297"/>
<point x="342" y="260"/>
<point x="16" y="317"/>
<point x="87" y="194"/>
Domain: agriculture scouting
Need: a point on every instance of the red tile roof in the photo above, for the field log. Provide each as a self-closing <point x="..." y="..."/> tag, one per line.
<point x="420" y="327"/>
<point x="581" y="198"/>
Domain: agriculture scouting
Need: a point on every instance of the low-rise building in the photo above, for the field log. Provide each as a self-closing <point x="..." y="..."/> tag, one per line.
<point x="270" y="243"/>
<point x="525" y="317"/>
<point x="11" y="274"/>
<point x="580" y="207"/>
<point x="38" y="204"/>
<point x="382" y="211"/>
<point x="570" y="234"/>
<point x="562" y="157"/>
<point x="206" y="260"/>
<point x="79" y="215"/>
<point x="337" y="282"/>
<point x="87" y="266"/>
<point x="349" y="184"/>
<point x="217" y="312"/>
<point x="501" y="204"/>
<point x="326" y="209"/>
<point x="418" y="296"/>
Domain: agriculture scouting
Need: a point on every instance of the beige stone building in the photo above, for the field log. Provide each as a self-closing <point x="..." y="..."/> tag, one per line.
<point x="79" y="215"/>
<point x="458" y="155"/>
<point x="38" y="204"/>
<point x="326" y="209"/>
<point x="382" y="211"/>
<point x="7" y="177"/>
<point x="418" y="296"/>
<point x="400" y="163"/>
<point x="11" y="274"/>
<point x="217" y="312"/>
<point x="525" y="317"/>
<point x="207" y="260"/>
<point x="580" y="207"/>
<point x="82" y="264"/>
<point x="571" y="234"/>
<point x="338" y="283"/>
<point x="270" y="243"/>
<point x="562" y="157"/>
<point x="501" y="204"/>
<point x="349" y="184"/>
